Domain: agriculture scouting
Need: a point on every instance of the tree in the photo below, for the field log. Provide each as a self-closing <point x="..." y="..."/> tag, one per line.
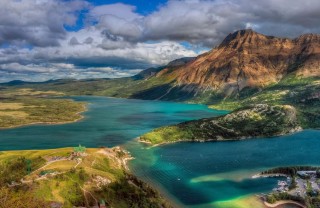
<point x="271" y="199"/>
<point x="293" y="184"/>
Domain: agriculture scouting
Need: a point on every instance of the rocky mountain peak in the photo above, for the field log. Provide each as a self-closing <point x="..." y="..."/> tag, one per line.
<point x="307" y="38"/>
<point x="245" y="59"/>
<point x="240" y="37"/>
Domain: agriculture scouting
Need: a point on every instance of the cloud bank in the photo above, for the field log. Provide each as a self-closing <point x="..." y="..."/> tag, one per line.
<point x="46" y="39"/>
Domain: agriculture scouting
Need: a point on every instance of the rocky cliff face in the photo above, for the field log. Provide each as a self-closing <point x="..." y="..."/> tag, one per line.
<point x="249" y="59"/>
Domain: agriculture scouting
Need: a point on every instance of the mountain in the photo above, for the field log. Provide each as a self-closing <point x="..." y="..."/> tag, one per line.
<point x="245" y="60"/>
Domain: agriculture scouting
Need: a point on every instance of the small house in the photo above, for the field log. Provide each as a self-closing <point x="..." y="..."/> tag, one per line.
<point x="79" y="151"/>
<point x="102" y="204"/>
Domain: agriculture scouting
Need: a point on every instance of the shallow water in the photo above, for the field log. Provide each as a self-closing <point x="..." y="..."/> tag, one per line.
<point x="203" y="173"/>
<point x="193" y="174"/>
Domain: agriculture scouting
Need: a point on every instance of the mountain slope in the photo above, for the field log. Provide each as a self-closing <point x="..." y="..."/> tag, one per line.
<point x="246" y="59"/>
<point x="244" y="62"/>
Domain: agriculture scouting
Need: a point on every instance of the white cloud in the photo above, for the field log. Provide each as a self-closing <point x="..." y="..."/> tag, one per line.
<point x="208" y="22"/>
<point x="115" y="37"/>
<point x="122" y="11"/>
<point x="33" y="72"/>
<point x="39" y="23"/>
<point x="16" y="67"/>
<point x="140" y="54"/>
<point x="117" y="19"/>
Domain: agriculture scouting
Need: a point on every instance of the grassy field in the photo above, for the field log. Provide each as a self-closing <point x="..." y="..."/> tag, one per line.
<point x="61" y="177"/>
<point x="26" y="106"/>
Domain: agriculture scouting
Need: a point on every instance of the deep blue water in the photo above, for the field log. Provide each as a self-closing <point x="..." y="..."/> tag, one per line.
<point x="191" y="173"/>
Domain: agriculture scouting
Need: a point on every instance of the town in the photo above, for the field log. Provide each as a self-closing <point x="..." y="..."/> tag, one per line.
<point x="299" y="184"/>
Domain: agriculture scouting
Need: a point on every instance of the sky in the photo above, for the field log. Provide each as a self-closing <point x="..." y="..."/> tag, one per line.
<point x="78" y="39"/>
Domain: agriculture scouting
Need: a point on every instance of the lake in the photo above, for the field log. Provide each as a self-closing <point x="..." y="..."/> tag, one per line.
<point x="191" y="174"/>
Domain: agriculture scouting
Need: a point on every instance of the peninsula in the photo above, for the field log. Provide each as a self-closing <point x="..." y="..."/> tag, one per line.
<point x="259" y="120"/>
<point x="19" y="107"/>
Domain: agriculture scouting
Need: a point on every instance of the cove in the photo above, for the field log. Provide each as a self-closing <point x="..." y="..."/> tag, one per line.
<point x="192" y="174"/>
<point x="200" y="174"/>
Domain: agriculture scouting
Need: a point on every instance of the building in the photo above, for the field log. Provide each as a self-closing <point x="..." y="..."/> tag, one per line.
<point x="306" y="174"/>
<point x="102" y="204"/>
<point x="79" y="151"/>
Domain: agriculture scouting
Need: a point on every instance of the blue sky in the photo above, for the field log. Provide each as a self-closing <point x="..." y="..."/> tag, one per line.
<point x="41" y="40"/>
<point x="144" y="7"/>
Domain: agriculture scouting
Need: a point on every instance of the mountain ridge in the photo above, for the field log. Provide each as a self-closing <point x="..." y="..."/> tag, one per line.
<point x="244" y="62"/>
<point x="249" y="59"/>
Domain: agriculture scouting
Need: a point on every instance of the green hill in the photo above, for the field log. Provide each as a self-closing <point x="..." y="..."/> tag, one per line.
<point x="259" y="120"/>
<point x="64" y="178"/>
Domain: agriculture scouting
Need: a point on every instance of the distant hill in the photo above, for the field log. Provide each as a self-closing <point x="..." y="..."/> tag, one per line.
<point x="153" y="71"/>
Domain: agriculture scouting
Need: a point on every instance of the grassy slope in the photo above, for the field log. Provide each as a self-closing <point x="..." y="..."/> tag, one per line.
<point x="26" y="106"/>
<point x="77" y="185"/>
<point x="252" y="121"/>
<point x="302" y="93"/>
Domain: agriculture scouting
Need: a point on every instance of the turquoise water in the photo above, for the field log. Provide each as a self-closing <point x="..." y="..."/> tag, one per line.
<point x="108" y="122"/>
<point x="192" y="174"/>
<point x="201" y="173"/>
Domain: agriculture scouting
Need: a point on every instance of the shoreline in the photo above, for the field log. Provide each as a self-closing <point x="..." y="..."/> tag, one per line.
<point x="272" y="175"/>
<point x="172" y="200"/>
<point x="63" y="155"/>
<point x="283" y="202"/>
<point x="215" y="140"/>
